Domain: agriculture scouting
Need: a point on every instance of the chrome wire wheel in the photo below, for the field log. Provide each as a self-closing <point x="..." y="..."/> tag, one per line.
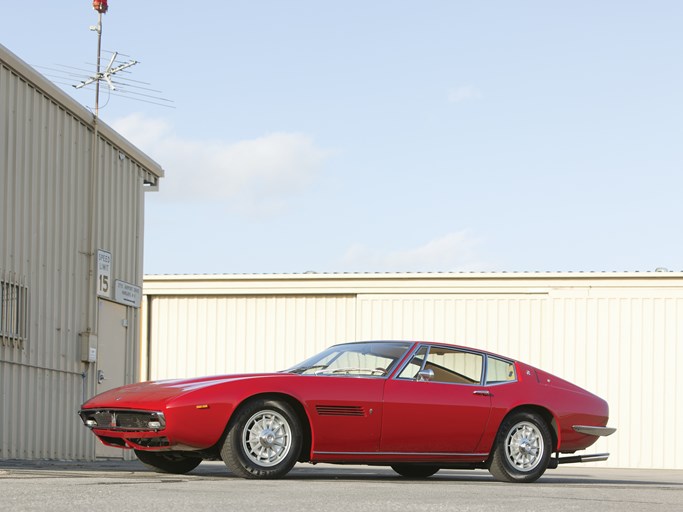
<point x="522" y="449"/>
<point x="264" y="439"/>
<point x="267" y="438"/>
<point x="524" y="446"/>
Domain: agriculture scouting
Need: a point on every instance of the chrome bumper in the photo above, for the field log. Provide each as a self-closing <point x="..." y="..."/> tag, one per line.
<point x="123" y="419"/>
<point x="594" y="431"/>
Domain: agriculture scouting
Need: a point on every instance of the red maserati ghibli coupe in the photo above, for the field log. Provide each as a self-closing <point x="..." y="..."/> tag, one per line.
<point x="415" y="406"/>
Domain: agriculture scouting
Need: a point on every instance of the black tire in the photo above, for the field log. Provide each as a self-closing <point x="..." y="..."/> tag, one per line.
<point x="264" y="440"/>
<point x="168" y="462"/>
<point x="523" y="448"/>
<point x="415" y="470"/>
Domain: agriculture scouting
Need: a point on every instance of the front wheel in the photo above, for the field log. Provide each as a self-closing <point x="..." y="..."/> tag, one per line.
<point x="264" y="440"/>
<point x="415" y="470"/>
<point x="168" y="462"/>
<point x="522" y="450"/>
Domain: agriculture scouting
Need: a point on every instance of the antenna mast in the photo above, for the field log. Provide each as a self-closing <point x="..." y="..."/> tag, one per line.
<point x="101" y="7"/>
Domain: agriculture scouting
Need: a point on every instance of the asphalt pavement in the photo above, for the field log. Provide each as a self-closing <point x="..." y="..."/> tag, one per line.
<point x="129" y="486"/>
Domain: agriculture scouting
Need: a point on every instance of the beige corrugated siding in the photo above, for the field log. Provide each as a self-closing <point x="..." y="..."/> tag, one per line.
<point x="625" y="349"/>
<point x="216" y="335"/>
<point x="46" y="142"/>
<point x="618" y="335"/>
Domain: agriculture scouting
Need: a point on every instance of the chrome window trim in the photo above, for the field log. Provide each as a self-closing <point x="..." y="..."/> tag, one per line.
<point x="407" y="358"/>
<point x="483" y="355"/>
<point x="498" y="383"/>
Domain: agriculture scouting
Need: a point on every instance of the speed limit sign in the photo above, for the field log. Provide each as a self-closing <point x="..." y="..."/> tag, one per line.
<point x="104" y="283"/>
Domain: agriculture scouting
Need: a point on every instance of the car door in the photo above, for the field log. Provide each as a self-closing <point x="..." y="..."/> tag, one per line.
<point x="346" y="413"/>
<point x="344" y="397"/>
<point x="436" y="403"/>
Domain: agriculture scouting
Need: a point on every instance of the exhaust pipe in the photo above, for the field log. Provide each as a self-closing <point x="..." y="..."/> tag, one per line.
<point x="595" y="457"/>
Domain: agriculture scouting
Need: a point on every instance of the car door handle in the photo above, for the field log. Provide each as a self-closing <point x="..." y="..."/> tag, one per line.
<point x="482" y="392"/>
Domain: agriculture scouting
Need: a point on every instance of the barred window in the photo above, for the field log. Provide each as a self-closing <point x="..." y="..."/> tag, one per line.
<point x="13" y="311"/>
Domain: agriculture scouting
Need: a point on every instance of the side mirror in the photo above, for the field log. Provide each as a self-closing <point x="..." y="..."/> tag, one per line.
<point x="425" y="375"/>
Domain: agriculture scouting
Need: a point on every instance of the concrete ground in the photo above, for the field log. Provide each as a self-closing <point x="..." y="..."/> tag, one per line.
<point x="129" y="486"/>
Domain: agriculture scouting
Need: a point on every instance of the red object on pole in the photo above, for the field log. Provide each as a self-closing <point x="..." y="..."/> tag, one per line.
<point x="100" y="6"/>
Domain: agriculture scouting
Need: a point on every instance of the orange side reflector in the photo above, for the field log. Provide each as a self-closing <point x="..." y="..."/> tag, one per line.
<point x="203" y="406"/>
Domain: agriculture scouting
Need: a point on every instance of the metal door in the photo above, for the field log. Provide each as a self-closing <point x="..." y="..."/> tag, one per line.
<point x="112" y="334"/>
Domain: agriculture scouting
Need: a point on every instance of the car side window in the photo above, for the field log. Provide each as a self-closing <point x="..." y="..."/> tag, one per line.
<point x="499" y="371"/>
<point x="445" y="365"/>
<point x="454" y="366"/>
<point x="415" y="365"/>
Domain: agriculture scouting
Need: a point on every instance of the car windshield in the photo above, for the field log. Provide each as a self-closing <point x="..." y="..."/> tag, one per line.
<point x="369" y="359"/>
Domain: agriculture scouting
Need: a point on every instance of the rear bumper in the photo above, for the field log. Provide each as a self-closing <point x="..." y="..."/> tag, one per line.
<point x="594" y="431"/>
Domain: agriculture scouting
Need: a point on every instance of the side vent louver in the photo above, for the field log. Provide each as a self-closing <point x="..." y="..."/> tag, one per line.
<point x="340" y="410"/>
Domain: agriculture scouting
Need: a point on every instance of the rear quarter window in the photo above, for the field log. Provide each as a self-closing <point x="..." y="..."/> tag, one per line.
<point x="499" y="371"/>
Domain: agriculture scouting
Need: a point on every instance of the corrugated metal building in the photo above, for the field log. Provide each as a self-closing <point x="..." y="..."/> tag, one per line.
<point x="619" y="335"/>
<point x="71" y="231"/>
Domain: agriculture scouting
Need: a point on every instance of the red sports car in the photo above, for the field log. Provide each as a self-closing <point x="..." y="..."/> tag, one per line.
<point x="415" y="406"/>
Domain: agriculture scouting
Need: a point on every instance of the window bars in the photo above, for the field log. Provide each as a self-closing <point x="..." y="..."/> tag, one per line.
<point x="13" y="310"/>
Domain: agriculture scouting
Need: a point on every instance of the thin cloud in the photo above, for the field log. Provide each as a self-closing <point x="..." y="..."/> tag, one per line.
<point x="250" y="175"/>
<point x="464" y="93"/>
<point x="451" y="252"/>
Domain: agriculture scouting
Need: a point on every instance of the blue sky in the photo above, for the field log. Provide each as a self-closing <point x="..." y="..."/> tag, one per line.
<point x="393" y="135"/>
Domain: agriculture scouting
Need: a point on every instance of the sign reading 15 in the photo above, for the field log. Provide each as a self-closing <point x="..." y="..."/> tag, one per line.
<point x="104" y="262"/>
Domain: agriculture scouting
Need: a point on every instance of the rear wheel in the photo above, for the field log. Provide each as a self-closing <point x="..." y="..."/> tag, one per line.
<point x="415" y="470"/>
<point x="264" y="440"/>
<point x="522" y="450"/>
<point x="168" y="462"/>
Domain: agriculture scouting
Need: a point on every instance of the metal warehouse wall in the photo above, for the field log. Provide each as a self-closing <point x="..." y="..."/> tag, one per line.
<point x="46" y="205"/>
<point x="210" y="335"/>
<point x="618" y="335"/>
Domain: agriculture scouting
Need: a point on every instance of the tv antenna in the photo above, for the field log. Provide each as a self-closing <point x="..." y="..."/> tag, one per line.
<point x="101" y="7"/>
<point x="107" y="73"/>
<point x="113" y="73"/>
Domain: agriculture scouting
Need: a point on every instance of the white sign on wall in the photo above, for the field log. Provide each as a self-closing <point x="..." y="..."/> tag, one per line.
<point x="128" y="294"/>
<point x="103" y="273"/>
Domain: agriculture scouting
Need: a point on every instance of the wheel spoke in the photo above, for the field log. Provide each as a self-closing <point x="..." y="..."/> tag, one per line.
<point x="267" y="438"/>
<point x="524" y="446"/>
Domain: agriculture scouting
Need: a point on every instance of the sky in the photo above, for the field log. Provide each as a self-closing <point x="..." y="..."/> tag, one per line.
<point x="391" y="135"/>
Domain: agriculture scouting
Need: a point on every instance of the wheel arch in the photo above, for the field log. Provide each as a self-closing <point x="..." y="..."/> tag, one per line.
<point x="544" y="413"/>
<point x="295" y="404"/>
<point x="523" y="466"/>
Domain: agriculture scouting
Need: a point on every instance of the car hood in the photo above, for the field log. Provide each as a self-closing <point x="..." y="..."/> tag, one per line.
<point x="150" y="394"/>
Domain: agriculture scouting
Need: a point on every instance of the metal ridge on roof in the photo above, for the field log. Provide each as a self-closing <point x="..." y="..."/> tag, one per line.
<point x="58" y="96"/>
<point x="492" y="274"/>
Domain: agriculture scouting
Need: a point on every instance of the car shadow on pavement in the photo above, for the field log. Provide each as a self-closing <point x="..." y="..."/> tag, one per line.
<point x="329" y="472"/>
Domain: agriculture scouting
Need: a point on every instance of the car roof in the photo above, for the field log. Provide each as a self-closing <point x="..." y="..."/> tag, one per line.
<point x="434" y="344"/>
